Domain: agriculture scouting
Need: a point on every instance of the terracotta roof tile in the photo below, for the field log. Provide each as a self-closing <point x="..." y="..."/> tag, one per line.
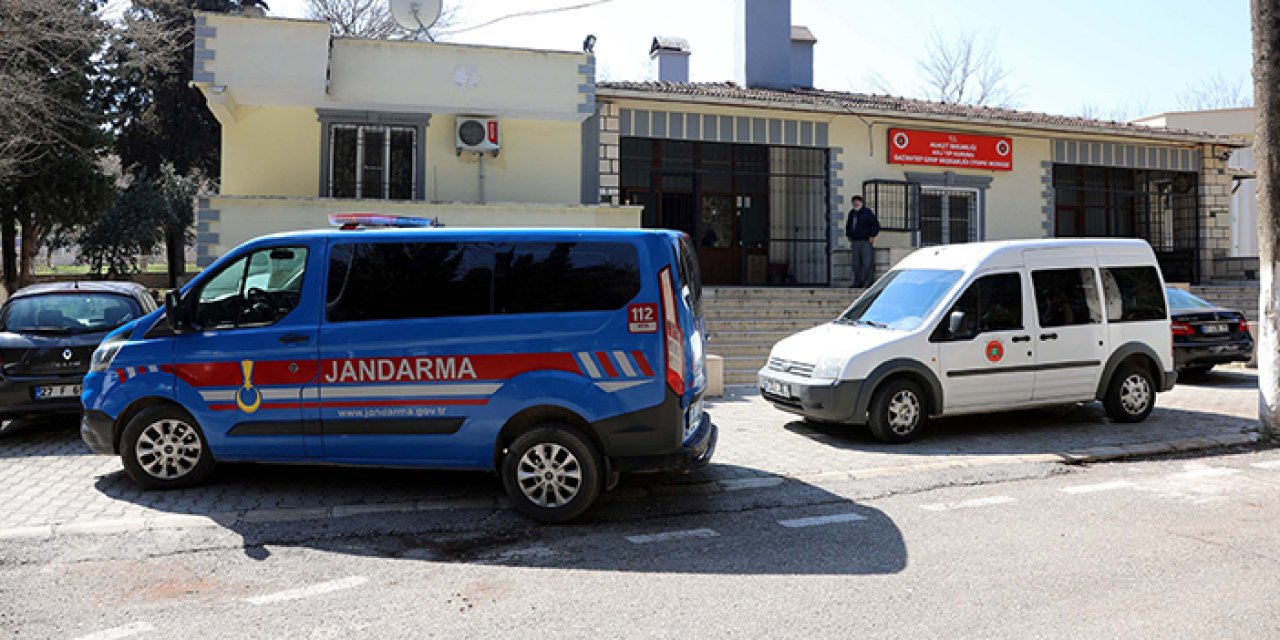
<point x="871" y="104"/>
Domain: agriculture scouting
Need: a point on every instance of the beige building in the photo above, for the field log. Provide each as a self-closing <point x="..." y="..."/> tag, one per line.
<point x="1239" y="123"/>
<point x="314" y="124"/>
<point x="760" y="171"/>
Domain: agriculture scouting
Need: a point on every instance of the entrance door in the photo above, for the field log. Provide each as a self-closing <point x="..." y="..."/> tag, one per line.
<point x="718" y="252"/>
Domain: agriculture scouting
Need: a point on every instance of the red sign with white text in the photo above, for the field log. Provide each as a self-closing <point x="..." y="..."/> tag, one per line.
<point x="956" y="150"/>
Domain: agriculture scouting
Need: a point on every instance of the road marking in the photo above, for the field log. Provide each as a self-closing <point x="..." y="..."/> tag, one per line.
<point x="1101" y="486"/>
<point x="1211" y="472"/>
<point x="814" y="521"/>
<point x="120" y="632"/>
<point x="1272" y="464"/>
<point x="968" y="504"/>
<point x="307" y="592"/>
<point x="672" y="535"/>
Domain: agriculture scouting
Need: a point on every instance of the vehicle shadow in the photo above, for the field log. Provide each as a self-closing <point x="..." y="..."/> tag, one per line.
<point x="42" y="435"/>
<point x="1055" y="429"/>
<point x="716" y="531"/>
<point x="1220" y="379"/>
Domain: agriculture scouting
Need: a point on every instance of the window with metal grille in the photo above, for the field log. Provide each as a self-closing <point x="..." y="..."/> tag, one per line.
<point x="371" y="161"/>
<point x="948" y="216"/>
<point x="896" y="203"/>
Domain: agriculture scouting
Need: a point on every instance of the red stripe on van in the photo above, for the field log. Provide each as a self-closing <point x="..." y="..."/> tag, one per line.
<point x="644" y="364"/>
<point x="607" y="364"/>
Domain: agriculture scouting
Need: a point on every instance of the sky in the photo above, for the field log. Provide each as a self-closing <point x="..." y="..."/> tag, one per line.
<point x="1124" y="58"/>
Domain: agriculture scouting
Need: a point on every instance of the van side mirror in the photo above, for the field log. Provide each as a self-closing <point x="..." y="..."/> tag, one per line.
<point x="174" y="311"/>
<point x="955" y="323"/>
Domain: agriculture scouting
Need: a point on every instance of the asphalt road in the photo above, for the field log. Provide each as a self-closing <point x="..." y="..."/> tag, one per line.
<point x="1166" y="548"/>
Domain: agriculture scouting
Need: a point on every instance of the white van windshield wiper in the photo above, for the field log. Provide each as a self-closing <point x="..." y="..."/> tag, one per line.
<point x="869" y="323"/>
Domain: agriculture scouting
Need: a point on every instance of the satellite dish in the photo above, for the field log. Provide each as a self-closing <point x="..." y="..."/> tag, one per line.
<point x="416" y="15"/>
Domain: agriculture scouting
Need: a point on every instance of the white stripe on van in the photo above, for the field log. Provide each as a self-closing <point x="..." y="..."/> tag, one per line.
<point x="619" y="386"/>
<point x="625" y="363"/>
<point x="409" y="390"/>
<point x="218" y="396"/>
<point x="589" y="364"/>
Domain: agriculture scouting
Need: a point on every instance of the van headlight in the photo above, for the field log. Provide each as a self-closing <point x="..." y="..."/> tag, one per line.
<point x="105" y="353"/>
<point x="829" y="367"/>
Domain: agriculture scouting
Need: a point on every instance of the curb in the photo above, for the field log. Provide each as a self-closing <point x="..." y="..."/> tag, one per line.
<point x="268" y="516"/>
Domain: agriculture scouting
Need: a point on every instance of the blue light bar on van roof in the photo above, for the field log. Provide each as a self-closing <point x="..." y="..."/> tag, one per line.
<point x="358" y="220"/>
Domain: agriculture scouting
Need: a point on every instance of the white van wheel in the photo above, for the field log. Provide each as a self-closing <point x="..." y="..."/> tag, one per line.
<point x="897" y="411"/>
<point x="551" y="474"/>
<point x="1131" y="395"/>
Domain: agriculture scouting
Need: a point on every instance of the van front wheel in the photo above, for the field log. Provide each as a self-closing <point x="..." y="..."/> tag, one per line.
<point x="897" y="411"/>
<point x="551" y="474"/>
<point x="1131" y="395"/>
<point x="163" y="448"/>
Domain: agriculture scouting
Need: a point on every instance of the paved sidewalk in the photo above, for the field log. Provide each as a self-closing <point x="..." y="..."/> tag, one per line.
<point x="51" y="484"/>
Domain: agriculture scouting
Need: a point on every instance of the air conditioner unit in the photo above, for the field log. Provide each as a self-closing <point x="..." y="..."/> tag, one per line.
<point x="478" y="134"/>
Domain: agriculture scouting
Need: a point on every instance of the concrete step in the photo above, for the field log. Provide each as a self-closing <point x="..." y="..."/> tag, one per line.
<point x="769" y="313"/>
<point x="746" y="293"/>
<point x="740" y="377"/>
<point x="715" y="327"/>
<point x="754" y="349"/>
<point x="790" y="303"/>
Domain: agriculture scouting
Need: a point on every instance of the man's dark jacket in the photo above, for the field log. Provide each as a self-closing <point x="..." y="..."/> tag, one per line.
<point x="861" y="225"/>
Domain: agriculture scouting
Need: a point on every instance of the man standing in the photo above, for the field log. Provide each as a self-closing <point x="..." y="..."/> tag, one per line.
<point x="861" y="228"/>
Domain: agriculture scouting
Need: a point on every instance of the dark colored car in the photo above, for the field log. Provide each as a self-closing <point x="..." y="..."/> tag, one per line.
<point x="48" y="333"/>
<point x="1205" y="335"/>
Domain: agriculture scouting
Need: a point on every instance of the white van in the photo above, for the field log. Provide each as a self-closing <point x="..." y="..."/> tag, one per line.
<point x="982" y="327"/>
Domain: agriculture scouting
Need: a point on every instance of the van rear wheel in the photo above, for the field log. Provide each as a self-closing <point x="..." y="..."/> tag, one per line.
<point x="551" y="474"/>
<point x="897" y="411"/>
<point x="1131" y="394"/>
<point x="163" y="448"/>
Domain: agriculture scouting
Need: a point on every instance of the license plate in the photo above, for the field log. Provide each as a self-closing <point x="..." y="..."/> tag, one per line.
<point x="1214" y="328"/>
<point x="777" y="388"/>
<point x="58" y="391"/>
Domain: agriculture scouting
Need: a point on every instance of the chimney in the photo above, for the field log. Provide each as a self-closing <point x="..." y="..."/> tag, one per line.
<point x="802" y="42"/>
<point x="672" y="55"/>
<point x="762" y="52"/>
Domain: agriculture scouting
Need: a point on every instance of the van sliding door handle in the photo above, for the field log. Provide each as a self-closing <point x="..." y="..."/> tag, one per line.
<point x="294" y="338"/>
<point x="1048" y="336"/>
<point x="1022" y="338"/>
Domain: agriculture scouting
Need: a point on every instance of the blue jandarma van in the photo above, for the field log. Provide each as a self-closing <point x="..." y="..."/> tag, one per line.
<point x="557" y="358"/>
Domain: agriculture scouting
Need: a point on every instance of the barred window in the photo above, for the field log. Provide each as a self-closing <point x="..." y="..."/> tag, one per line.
<point x="372" y="161"/>
<point x="896" y="203"/>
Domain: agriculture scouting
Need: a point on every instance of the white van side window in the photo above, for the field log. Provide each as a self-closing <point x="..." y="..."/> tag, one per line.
<point x="1066" y="297"/>
<point x="991" y="303"/>
<point x="1134" y="294"/>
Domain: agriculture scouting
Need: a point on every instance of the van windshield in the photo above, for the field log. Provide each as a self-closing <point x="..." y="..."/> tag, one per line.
<point x="901" y="299"/>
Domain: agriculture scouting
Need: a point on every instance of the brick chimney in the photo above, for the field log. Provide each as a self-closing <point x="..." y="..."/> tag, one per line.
<point x="762" y="43"/>
<point x="802" y="42"/>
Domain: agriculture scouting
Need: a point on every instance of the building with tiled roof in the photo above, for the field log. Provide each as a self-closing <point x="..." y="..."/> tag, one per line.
<point x="762" y="170"/>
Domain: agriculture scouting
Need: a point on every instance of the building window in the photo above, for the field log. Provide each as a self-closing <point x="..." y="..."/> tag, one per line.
<point x="369" y="161"/>
<point x="372" y="155"/>
<point x="948" y="216"/>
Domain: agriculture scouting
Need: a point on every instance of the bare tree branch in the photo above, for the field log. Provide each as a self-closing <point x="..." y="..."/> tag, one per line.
<point x="1216" y="92"/>
<point x="372" y="18"/>
<point x="965" y="70"/>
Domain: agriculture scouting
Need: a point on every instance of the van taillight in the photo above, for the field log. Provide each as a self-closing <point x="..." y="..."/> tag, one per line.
<point x="671" y="328"/>
<point x="1244" y="325"/>
<point x="1182" y="329"/>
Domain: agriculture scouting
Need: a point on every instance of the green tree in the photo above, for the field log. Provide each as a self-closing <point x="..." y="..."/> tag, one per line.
<point x="139" y="221"/>
<point x="56" y="184"/>
<point x="158" y="117"/>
